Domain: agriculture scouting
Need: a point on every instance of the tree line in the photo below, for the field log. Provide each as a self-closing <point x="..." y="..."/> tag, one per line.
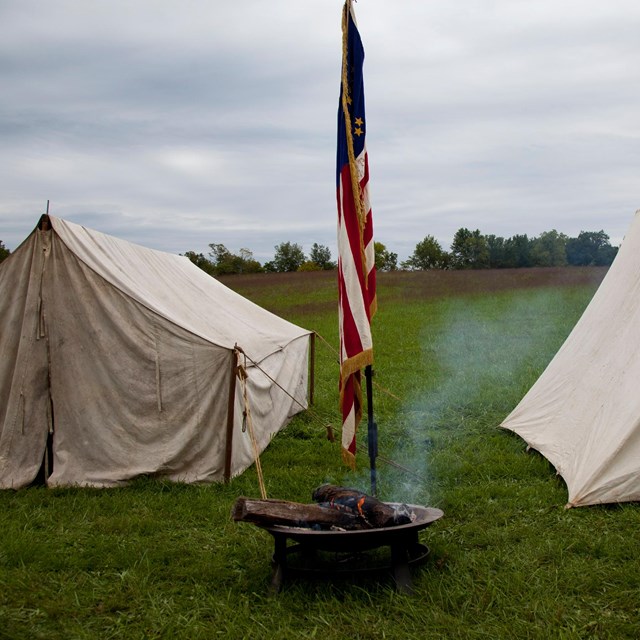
<point x="469" y="250"/>
<point x="289" y="256"/>
<point x="473" y="250"/>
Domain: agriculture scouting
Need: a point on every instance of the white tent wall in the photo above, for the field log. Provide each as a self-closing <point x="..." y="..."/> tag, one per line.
<point x="269" y="404"/>
<point x="583" y="413"/>
<point x="133" y="390"/>
<point x="174" y="288"/>
<point x="152" y="409"/>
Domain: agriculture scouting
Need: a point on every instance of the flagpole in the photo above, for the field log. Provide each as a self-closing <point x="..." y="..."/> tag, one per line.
<point x="372" y="431"/>
<point x="356" y="268"/>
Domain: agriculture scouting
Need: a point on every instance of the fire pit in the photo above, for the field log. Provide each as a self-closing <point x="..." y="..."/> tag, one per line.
<point x="345" y="551"/>
<point x="340" y="534"/>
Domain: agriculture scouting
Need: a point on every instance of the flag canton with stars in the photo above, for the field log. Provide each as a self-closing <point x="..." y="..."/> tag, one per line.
<point x="355" y="99"/>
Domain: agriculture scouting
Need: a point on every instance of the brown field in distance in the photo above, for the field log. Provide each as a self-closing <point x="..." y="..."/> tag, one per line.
<point x="419" y="285"/>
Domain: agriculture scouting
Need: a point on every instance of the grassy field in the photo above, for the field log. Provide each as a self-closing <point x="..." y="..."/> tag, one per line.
<point x="455" y="352"/>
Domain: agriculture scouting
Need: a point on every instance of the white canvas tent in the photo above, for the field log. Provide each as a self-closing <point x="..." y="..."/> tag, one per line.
<point x="119" y="361"/>
<point x="583" y="413"/>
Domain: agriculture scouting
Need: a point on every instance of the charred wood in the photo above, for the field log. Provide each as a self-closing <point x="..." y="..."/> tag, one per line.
<point x="335" y="507"/>
<point x="372" y="511"/>
<point x="294" y="514"/>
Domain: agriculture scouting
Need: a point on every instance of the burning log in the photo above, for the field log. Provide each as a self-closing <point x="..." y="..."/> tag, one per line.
<point x="372" y="511"/>
<point x="293" y="514"/>
<point x="336" y="508"/>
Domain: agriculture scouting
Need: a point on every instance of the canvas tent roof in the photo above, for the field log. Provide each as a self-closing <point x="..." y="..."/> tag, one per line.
<point x="126" y="355"/>
<point x="583" y="413"/>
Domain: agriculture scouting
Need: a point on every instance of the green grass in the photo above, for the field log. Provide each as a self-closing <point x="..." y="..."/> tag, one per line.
<point x="159" y="560"/>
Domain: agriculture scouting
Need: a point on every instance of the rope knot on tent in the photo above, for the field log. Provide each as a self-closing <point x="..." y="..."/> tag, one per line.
<point x="247" y="422"/>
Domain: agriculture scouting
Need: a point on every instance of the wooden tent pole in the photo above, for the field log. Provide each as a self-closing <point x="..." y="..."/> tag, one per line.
<point x="231" y="402"/>
<point x="312" y="366"/>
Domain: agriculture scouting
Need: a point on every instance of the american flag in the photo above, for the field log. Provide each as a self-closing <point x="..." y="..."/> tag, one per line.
<point x="356" y="256"/>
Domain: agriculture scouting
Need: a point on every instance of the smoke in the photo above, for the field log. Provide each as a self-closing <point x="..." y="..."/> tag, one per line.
<point x="472" y="366"/>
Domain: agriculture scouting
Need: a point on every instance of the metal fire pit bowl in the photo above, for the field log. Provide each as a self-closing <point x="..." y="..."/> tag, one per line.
<point x="331" y="553"/>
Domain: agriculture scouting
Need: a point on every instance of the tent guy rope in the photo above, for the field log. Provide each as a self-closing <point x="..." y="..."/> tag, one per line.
<point x="247" y="422"/>
<point x="328" y="427"/>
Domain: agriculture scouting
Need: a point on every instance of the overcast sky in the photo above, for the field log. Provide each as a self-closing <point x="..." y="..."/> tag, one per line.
<point x="176" y="124"/>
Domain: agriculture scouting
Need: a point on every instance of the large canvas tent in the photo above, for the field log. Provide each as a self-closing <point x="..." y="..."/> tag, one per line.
<point x="583" y="413"/>
<point x="118" y="361"/>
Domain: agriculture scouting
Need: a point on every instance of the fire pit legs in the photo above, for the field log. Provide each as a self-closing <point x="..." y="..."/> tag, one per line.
<point x="404" y="552"/>
<point x="278" y="564"/>
<point x="400" y="567"/>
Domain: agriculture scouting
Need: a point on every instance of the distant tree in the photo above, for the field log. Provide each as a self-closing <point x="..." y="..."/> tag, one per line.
<point x="321" y="257"/>
<point x="517" y="250"/>
<point x="4" y="252"/>
<point x="288" y="257"/>
<point x="497" y="252"/>
<point x="428" y="254"/>
<point x="247" y="263"/>
<point x="606" y="255"/>
<point x="309" y="265"/>
<point x="226" y="263"/>
<point x="581" y="251"/>
<point x="385" y="260"/>
<point x="590" y="248"/>
<point x="200" y="261"/>
<point x="221" y="258"/>
<point x="469" y="250"/>
<point x="549" y="249"/>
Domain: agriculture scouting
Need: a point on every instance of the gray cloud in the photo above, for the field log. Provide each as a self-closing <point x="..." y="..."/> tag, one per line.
<point x="180" y="124"/>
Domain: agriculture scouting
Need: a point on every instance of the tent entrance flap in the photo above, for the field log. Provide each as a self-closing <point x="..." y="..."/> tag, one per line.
<point x="24" y="363"/>
<point x="46" y="468"/>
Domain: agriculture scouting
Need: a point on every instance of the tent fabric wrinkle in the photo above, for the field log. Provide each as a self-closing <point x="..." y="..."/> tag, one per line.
<point x="158" y="280"/>
<point x="132" y="372"/>
<point x="583" y="412"/>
